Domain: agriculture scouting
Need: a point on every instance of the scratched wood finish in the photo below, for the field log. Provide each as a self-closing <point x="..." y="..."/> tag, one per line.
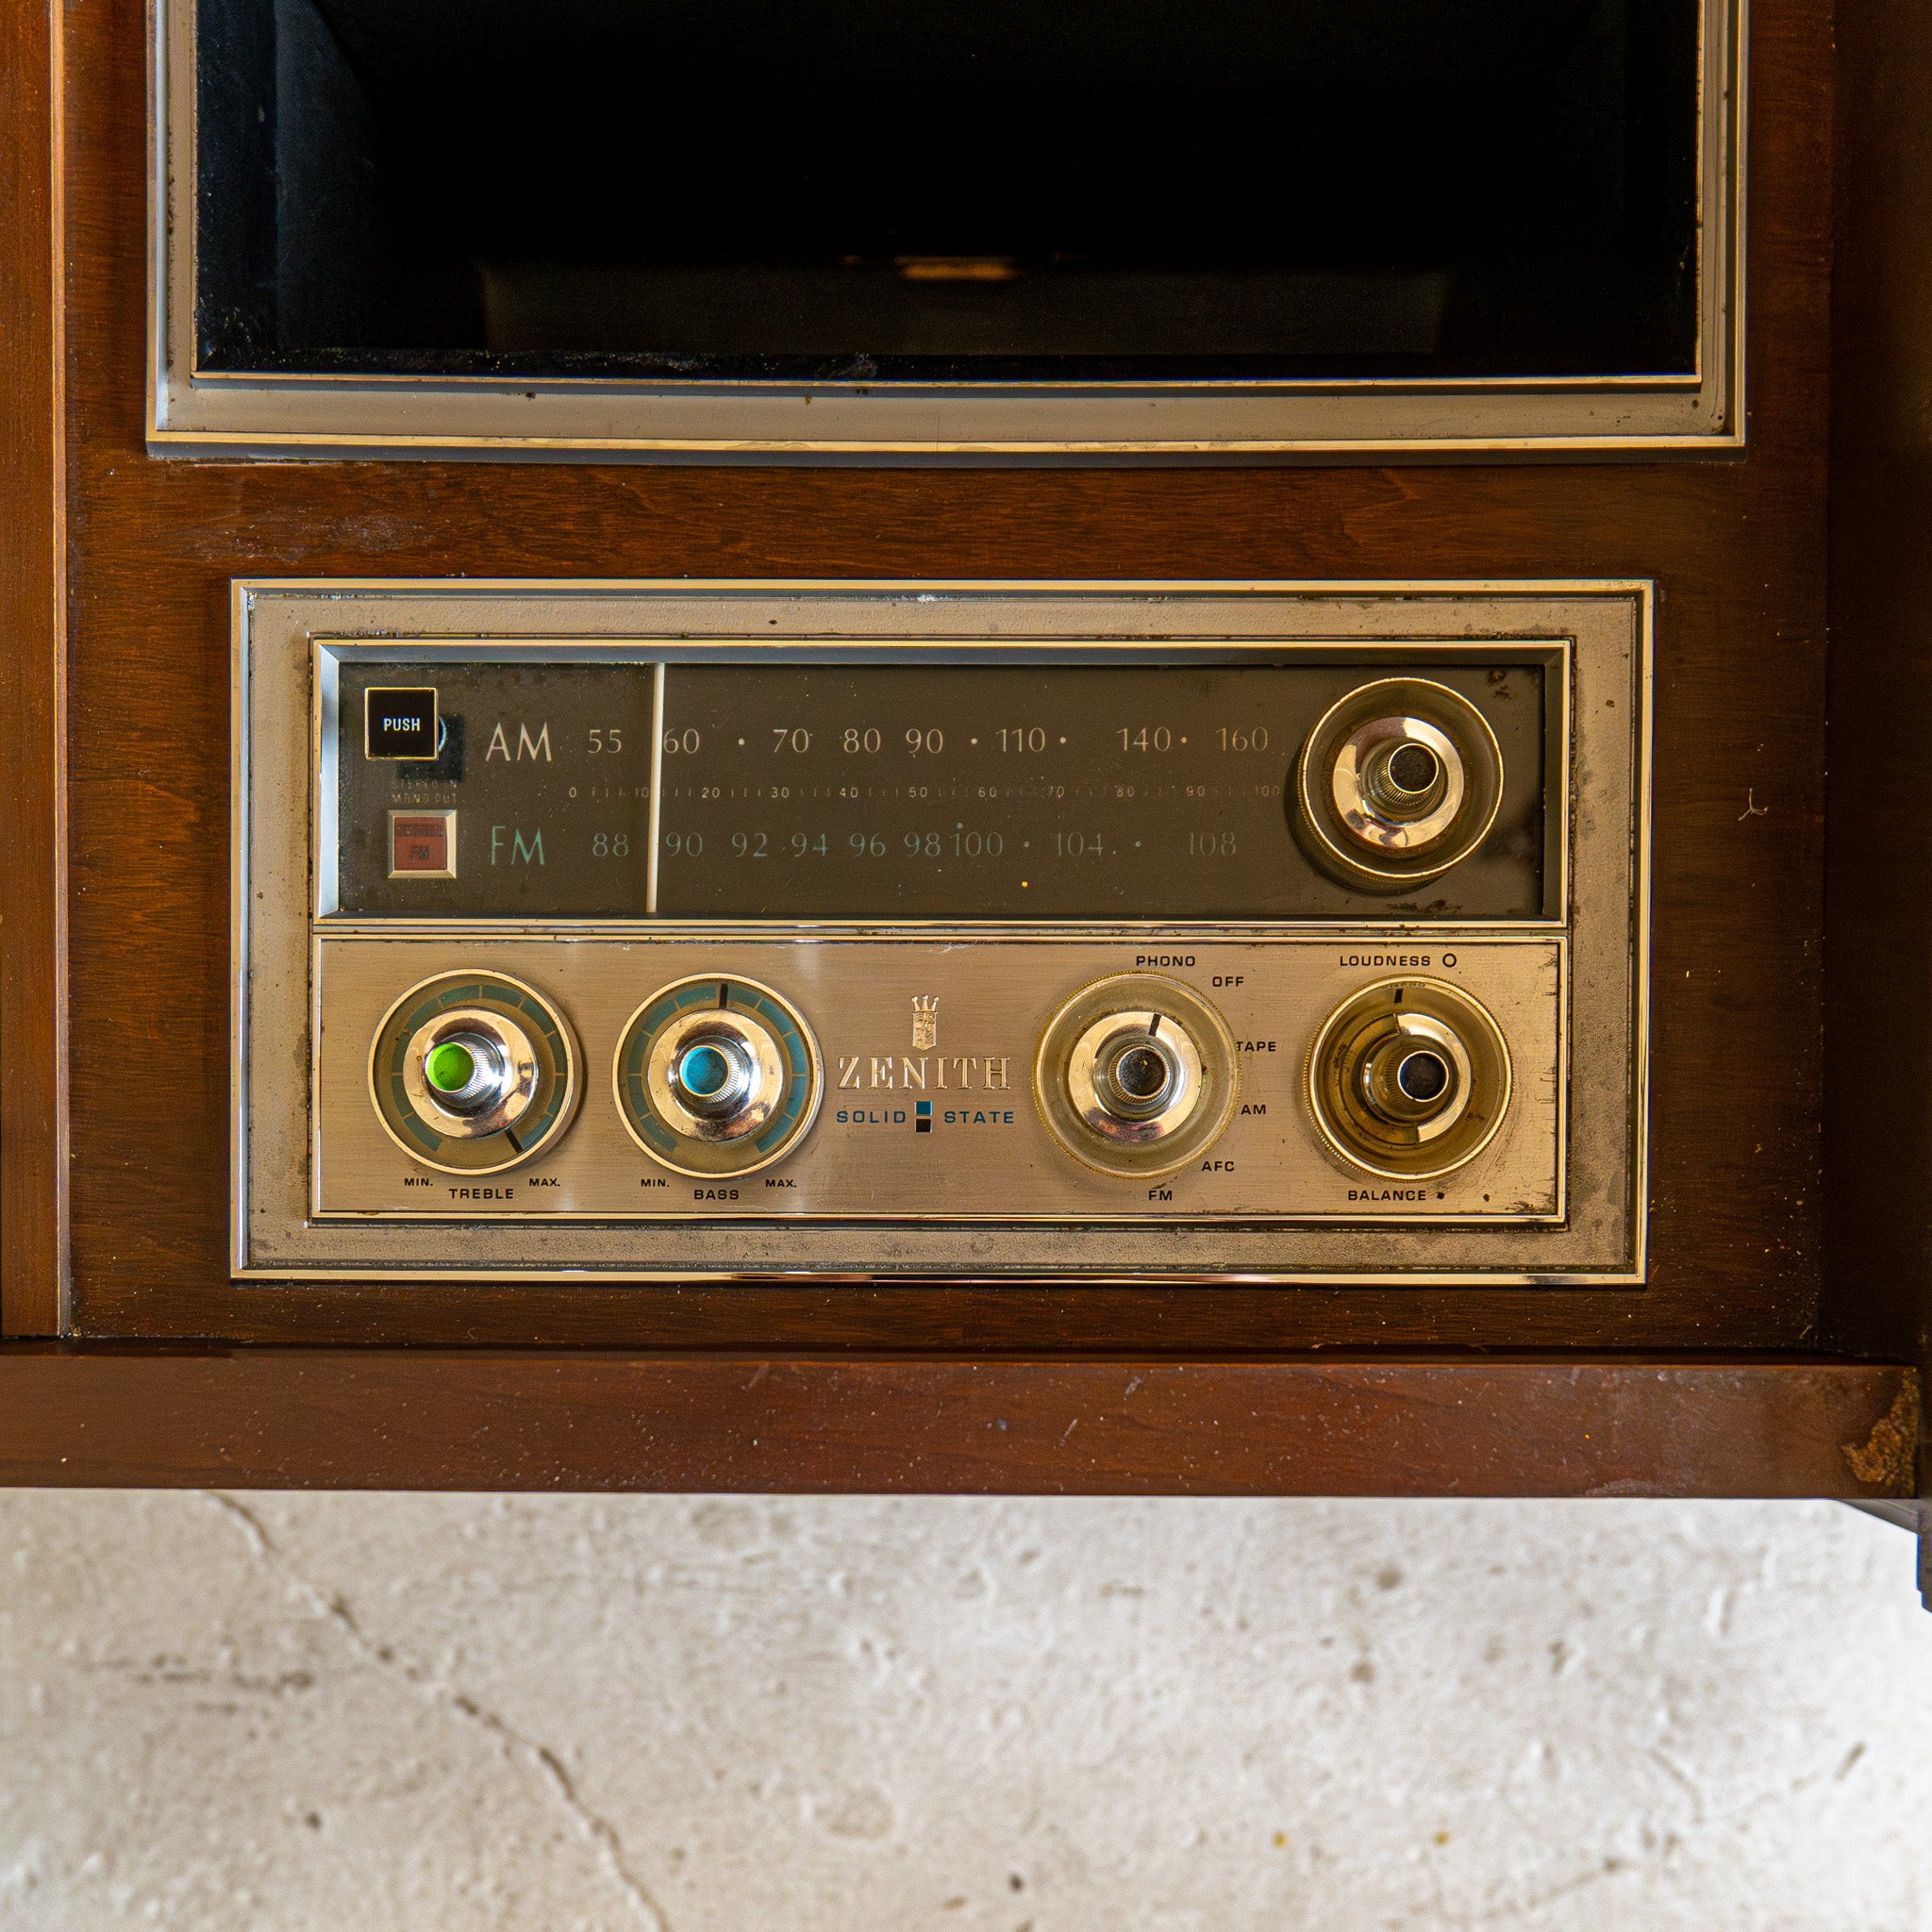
<point x="397" y="1419"/>
<point x="30" y="1233"/>
<point x="1736" y="548"/>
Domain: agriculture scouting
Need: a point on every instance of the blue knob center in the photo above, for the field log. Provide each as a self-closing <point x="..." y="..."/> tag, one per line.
<point x="704" y="1070"/>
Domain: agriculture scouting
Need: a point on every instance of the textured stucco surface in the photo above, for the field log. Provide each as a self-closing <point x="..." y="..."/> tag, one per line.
<point x="716" y="1715"/>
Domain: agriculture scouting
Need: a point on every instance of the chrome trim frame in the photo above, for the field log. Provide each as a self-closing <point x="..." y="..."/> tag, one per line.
<point x="196" y="412"/>
<point x="329" y="600"/>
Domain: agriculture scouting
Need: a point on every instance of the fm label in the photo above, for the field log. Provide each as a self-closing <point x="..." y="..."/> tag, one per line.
<point x="509" y="839"/>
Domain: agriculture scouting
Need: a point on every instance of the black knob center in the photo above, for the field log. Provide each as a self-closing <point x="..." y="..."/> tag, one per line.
<point x="1414" y="768"/>
<point x="1422" y="1076"/>
<point x="1140" y="1073"/>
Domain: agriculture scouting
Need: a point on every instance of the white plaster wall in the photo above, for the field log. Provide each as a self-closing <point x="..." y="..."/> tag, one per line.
<point x="712" y="1715"/>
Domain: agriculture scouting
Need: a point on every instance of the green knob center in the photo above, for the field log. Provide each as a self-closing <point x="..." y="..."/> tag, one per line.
<point x="450" y="1068"/>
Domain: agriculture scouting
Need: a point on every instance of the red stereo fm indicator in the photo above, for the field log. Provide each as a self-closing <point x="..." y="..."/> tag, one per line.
<point x="422" y="844"/>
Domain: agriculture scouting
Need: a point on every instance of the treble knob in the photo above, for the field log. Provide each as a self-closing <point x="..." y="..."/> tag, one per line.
<point x="471" y="1074"/>
<point x="472" y="1071"/>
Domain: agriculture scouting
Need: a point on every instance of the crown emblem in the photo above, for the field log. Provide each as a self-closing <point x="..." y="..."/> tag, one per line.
<point x="925" y="1022"/>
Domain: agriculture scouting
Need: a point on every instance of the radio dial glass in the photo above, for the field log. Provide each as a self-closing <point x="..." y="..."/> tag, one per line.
<point x="1000" y="792"/>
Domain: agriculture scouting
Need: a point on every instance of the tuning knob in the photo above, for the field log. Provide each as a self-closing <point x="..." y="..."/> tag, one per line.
<point x="1398" y="782"/>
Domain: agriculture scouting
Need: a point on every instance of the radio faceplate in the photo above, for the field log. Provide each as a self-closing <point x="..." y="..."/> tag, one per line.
<point x="619" y="931"/>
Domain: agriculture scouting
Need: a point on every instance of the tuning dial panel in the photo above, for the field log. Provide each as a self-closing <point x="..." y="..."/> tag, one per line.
<point x="1397" y="783"/>
<point x="716" y="1076"/>
<point x="473" y="1073"/>
<point x="1136" y="1075"/>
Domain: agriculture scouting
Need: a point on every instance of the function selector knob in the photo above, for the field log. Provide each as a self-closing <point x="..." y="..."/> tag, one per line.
<point x="716" y="1076"/>
<point x="1136" y="1075"/>
<point x="1134" y="1078"/>
<point x="472" y="1073"/>
<point x="1399" y="781"/>
<point x="1409" y="1079"/>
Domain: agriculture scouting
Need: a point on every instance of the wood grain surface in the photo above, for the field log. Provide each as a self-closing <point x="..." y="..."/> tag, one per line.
<point x="1736" y="549"/>
<point x="400" y="1419"/>
<point x="32" y="1243"/>
<point x="1878" y="1111"/>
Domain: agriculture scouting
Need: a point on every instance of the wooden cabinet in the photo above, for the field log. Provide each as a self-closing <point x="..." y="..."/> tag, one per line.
<point x="1770" y="1349"/>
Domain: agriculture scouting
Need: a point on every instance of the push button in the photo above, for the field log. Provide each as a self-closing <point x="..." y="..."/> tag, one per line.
<point x="400" y="723"/>
<point x="422" y="844"/>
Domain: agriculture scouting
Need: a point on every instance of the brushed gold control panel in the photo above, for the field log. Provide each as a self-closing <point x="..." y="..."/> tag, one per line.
<point x="1184" y="932"/>
<point x="916" y="1081"/>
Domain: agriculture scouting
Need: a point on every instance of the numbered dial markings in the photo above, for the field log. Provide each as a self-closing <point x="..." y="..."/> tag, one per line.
<point x="940" y="791"/>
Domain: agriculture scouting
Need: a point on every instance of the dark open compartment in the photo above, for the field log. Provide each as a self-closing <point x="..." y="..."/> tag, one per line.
<point x="1110" y="189"/>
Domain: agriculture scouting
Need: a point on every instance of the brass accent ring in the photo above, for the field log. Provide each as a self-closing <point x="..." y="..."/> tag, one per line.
<point x="1399" y="781"/>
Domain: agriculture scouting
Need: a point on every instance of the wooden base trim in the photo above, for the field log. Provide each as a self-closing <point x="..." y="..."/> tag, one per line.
<point x="440" y="1418"/>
